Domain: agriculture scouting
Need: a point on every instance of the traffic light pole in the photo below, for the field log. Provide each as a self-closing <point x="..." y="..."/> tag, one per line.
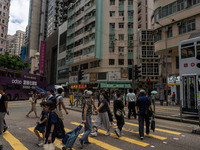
<point x="133" y="74"/>
<point x="77" y="90"/>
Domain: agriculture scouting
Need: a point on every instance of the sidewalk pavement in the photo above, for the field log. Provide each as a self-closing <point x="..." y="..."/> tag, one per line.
<point x="161" y="112"/>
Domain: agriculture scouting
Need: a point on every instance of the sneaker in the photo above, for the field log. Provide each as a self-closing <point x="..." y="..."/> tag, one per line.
<point x="117" y="132"/>
<point x="86" y="143"/>
<point x="94" y="134"/>
<point x="142" y="138"/>
<point x="41" y="144"/>
<point x="121" y="133"/>
<point x="81" y="143"/>
<point x="113" y="124"/>
<point x="5" y="129"/>
<point x="108" y="133"/>
<point x="82" y="134"/>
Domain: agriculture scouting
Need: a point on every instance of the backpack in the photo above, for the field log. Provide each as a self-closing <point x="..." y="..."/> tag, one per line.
<point x="60" y="133"/>
<point x="54" y="100"/>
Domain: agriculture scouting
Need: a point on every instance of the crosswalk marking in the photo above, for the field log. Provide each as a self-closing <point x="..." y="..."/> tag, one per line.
<point x="15" y="143"/>
<point x="150" y="135"/>
<point x="157" y="129"/>
<point x="121" y="138"/>
<point x="97" y="142"/>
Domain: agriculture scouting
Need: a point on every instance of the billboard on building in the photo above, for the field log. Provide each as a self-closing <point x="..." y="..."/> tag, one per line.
<point x="42" y="57"/>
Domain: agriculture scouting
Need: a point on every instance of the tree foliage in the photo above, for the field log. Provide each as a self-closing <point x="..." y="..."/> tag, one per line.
<point x="13" y="62"/>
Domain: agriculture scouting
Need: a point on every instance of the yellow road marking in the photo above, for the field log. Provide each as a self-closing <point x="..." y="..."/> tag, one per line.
<point x="121" y="138"/>
<point x="97" y="142"/>
<point x="56" y="142"/>
<point x="157" y="129"/>
<point x="15" y="143"/>
<point x="150" y="135"/>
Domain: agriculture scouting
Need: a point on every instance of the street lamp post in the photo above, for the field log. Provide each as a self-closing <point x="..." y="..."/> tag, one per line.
<point x="166" y="67"/>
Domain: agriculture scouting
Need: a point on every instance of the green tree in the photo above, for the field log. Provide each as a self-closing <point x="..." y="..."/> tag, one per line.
<point x="13" y="62"/>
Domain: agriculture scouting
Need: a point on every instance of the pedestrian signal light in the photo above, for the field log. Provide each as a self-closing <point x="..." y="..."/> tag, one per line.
<point x="137" y="71"/>
<point x="80" y="76"/>
<point x="148" y="81"/>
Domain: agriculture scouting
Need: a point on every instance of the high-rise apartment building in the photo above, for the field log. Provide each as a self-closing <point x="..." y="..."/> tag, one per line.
<point x="174" y="21"/>
<point x="15" y="42"/>
<point x="100" y="40"/>
<point x="4" y="19"/>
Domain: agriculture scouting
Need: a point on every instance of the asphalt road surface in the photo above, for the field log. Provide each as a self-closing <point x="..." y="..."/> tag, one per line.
<point x="20" y="136"/>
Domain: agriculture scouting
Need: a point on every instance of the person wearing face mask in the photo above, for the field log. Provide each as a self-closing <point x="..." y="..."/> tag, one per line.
<point x="102" y="117"/>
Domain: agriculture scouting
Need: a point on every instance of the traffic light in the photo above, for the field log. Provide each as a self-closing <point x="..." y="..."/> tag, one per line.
<point x="137" y="72"/>
<point x="80" y="75"/>
<point x="148" y="81"/>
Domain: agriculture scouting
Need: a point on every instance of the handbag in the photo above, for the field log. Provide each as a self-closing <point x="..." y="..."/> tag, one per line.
<point x="153" y="124"/>
<point x="118" y="112"/>
<point x="49" y="146"/>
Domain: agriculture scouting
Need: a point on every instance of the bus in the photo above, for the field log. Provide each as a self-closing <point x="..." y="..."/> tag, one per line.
<point x="20" y="85"/>
<point x="189" y="66"/>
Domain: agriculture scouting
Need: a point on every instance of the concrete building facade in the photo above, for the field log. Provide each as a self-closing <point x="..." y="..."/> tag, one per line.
<point x="4" y="19"/>
<point x="100" y="40"/>
<point x="174" y="21"/>
<point x="15" y="42"/>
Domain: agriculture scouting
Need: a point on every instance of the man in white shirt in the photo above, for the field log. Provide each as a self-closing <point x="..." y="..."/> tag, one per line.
<point x="131" y="99"/>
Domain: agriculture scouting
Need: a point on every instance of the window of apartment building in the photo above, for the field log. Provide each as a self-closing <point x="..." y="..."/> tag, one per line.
<point x="4" y="14"/>
<point x="112" y="13"/>
<point x="130" y="2"/>
<point x="112" y="2"/>
<point x="158" y="35"/>
<point x="121" y="2"/>
<point x="130" y="50"/>
<point x="121" y="37"/>
<point x="94" y="64"/>
<point x="0" y="5"/>
<point x="120" y="61"/>
<point x="2" y="35"/>
<point x="181" y="4"/>
<point x="130" y="13"/>
<point x="121" y="49"/>
<point x="177" y="62"/>
<point x="111" y="49"/>
<point x="121" y="25"/>
<point x="188" y="26"/>
<point x="130" y="37"/>
<point x="75" y="68"/>
<point x="62" y="74"/>
<point x="130" y="25"/>
<point x="169" y="32"/>
<point x="121" y="13"/>
<point x="130" y="61"/>
<point x="84" y="66"/>
<point x="3" y="21"/>
<point x="112" y="25"/>
<point x="111" y="62"/>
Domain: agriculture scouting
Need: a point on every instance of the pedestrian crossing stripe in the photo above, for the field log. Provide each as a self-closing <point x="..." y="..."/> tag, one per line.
<point x="150" y="135"/>
<point x="99" y="143"/>
<point x="121" y="138"/>
<point x="57" y="142"/>
<point x="14" y="142"/>
<point x="157" y="129"/>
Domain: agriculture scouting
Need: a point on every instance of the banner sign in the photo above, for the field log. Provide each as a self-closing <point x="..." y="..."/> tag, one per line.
<point x="42" y="57"/>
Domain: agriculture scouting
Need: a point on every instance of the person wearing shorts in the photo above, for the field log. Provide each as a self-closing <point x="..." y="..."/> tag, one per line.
<point x="40" y="127"/>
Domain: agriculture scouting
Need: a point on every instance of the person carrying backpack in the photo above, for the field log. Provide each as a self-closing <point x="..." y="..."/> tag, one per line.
<point x="59" y="103"/>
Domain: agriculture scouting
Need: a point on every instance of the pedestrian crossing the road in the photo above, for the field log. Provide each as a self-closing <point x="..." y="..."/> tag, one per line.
<point x="101" y="143"/>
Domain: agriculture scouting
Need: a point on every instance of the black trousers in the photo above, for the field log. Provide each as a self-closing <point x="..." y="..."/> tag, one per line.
<point x="120" y="121"/>
<point x="141" y="119"/>
<point x="131" y="109"/>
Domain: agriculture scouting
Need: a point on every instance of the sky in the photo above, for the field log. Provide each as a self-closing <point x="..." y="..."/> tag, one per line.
<point x="19" y="11"/>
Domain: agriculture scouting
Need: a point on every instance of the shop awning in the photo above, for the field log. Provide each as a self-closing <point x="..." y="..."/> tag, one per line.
<point x="120" y="86"/>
